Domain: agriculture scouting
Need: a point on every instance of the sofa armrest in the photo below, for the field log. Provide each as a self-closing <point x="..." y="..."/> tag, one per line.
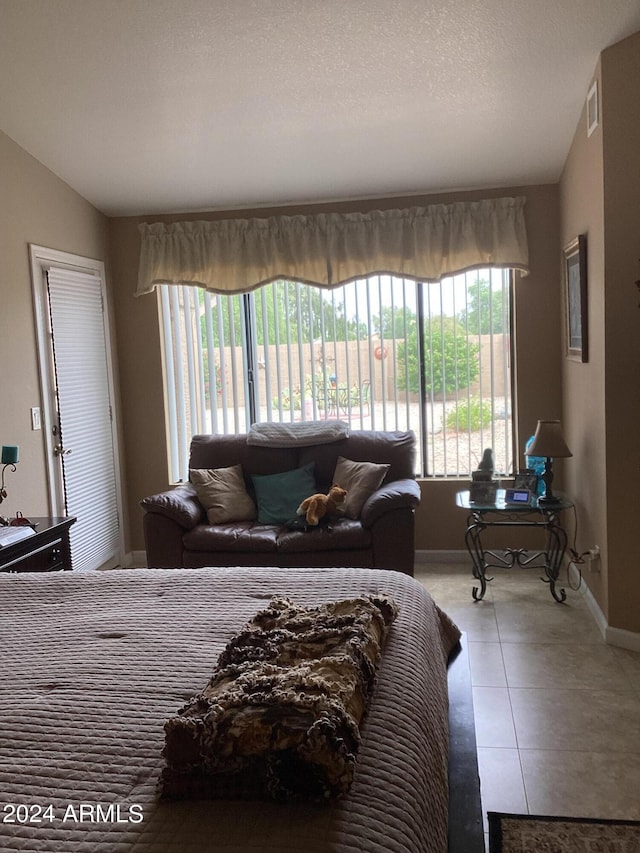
<point x="398" y="494"/>
<point x="180" y="504"/>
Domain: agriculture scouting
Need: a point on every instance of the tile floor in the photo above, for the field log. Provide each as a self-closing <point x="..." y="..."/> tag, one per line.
<point x="557" y="710"/>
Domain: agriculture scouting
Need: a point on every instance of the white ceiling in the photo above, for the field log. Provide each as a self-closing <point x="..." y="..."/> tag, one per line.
<point x="149" y="106"/>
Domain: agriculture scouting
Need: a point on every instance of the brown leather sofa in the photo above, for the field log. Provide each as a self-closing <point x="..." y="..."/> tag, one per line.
<point x="178" y="534"/>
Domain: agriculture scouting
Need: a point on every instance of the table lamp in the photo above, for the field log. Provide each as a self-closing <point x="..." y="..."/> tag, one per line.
<point x="549" y="442"/>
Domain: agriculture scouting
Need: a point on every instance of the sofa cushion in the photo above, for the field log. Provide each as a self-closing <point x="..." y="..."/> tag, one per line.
<point x="279" y="495"/>
<point x="236" y="536"/>
<point x="223" y="494"/>
<point x="343" y="535"/>
<point x="360" y="479"/>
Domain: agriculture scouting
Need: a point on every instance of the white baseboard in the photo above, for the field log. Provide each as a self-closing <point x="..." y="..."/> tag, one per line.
<point x="612" y="636"/>
<point x="135" y="560"/>
<point x="623" y="639"/>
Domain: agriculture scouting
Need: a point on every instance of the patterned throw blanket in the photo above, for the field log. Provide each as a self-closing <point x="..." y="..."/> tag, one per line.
<point x="280" y="717"/>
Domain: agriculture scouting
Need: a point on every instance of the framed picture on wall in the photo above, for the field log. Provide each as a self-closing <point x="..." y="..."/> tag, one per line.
<point x="575" y="275"/>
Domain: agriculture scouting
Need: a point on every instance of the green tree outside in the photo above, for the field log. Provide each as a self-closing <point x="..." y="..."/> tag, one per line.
<point x="284" y="312"/>
<point x="451" y="359"/>
<point x="288" y="312"/>
<point x="485" y="314"/>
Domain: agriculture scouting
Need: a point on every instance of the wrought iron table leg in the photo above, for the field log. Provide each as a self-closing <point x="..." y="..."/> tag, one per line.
<point x="476" y="552"/>
<point x="556" y="547"/>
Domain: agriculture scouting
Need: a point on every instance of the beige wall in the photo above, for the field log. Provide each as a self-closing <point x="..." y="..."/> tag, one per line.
<point x="621" y="137"/>
<point x="35" y="207"/>
<point x="440" y="525"/>
<point x="600" y="192"/>
<point x="581" y="200"/>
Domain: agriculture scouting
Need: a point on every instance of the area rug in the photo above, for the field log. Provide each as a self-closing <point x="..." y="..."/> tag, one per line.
<point x="513" y="833"/>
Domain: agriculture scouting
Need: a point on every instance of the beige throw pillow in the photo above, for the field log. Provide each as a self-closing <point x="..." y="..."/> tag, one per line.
<point x="223" y="493"/>
<point x="360" y="479"/>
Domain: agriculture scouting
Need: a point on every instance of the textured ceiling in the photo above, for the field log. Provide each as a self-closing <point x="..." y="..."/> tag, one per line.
<point x="148" y="106"/>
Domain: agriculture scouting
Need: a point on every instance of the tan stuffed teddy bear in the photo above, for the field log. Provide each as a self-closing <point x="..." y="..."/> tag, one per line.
<point x="319" y="506"/>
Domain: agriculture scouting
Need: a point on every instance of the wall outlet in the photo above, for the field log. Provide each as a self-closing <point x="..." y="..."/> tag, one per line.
<point x="593" y="558"/>
<point x="35" y="418"/>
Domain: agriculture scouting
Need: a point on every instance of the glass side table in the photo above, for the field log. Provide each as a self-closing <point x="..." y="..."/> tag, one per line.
<point x="501" y="514"/>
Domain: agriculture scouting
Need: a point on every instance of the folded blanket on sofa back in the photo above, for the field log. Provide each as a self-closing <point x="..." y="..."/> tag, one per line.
<point x="297" y="433"/>
<point x="280" y="717"/>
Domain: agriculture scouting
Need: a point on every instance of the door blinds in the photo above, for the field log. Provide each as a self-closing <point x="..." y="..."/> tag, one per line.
<point x="85" y="439"/>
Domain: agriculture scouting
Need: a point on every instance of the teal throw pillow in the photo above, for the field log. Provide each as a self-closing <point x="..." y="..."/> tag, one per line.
<point x="279" y="495"/>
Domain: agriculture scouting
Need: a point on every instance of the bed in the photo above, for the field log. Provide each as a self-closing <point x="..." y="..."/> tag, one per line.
<point x="94" y="664"/>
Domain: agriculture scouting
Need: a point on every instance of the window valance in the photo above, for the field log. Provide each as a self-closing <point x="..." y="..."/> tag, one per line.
<point x="330" y="249"/>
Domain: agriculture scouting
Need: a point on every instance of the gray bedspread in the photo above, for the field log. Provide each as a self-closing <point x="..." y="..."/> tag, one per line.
<point x="93" y="665"/>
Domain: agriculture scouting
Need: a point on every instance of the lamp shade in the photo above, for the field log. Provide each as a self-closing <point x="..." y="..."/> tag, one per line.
<point x="549" y="441"/>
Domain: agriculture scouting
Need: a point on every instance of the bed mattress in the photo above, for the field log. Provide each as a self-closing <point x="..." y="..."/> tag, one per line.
<point x="93" y="665"/>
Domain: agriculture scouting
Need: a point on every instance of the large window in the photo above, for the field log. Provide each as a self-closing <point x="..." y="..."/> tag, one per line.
<point x="380" y="353"/>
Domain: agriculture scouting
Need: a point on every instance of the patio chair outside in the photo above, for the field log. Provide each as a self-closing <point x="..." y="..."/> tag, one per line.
<point x="361" y="398"/>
